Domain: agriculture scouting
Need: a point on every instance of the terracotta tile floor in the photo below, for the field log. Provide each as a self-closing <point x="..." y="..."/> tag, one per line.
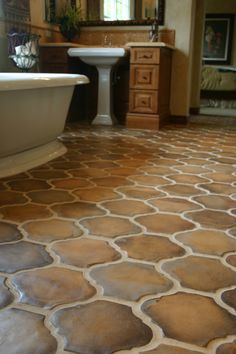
<point x="125" y="244"/>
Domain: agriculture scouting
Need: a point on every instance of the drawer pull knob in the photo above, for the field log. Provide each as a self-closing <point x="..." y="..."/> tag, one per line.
<point x="145" y="56"/>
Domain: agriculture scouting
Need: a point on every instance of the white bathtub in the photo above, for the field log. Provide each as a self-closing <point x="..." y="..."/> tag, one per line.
<point x="33" y="110"/>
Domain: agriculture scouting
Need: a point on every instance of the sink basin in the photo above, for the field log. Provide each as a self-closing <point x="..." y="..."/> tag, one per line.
<point x="104" y="58"/>
<point x="95" y="56"/>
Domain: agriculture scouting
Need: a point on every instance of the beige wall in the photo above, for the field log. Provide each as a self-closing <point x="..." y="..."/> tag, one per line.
<point x="179" y="16"/>
<point x="197" y="54"/>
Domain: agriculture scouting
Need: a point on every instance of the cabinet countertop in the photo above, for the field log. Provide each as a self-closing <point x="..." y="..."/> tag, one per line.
<point x="149" y="44"/>
<point x="127" y="45"/>
<point x="61" y="44"/>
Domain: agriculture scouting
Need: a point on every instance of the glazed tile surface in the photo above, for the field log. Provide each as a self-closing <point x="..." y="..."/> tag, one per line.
<point x="126" y="244"/>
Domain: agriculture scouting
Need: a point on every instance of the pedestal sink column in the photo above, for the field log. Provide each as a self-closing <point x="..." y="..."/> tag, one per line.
<point x="105" y="100"/>
<point x="104" y="59"/>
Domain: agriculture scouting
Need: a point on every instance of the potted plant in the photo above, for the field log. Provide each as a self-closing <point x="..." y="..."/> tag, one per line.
<point x="68" y="20"/>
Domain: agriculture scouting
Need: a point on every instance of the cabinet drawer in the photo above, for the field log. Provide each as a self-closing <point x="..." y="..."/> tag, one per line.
<point x="143" y="101"/>
<point x="145" y="55"/>
<point x="54" y="55"/>
<point x="144" y="76"/>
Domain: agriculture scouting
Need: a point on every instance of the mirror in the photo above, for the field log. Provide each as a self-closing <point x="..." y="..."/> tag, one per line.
<point x="111" y="12"/>
<point x="123" y="12"/>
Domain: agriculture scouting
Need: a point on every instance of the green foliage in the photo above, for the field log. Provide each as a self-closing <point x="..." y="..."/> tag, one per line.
<point x="69" y="17"/>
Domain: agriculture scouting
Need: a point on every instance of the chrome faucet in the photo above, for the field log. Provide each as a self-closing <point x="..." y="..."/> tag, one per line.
<point x="107" y="42"/>
<point x="153" y="34"/>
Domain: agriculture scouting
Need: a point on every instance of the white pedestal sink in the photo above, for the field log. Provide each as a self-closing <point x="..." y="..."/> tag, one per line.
<point x="104" y="58"/>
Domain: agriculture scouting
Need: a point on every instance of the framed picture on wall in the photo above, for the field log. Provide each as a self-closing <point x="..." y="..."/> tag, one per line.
<point x="217" y="41"/>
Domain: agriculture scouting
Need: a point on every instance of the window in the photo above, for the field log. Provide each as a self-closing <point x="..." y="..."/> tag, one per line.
<point x="117" y="10"/>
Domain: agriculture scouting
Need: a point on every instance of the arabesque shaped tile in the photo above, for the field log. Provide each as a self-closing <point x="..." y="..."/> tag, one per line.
<point x="228" y="348"/>
<point x="51" y="287"/>
<point x="229" y="297"/>
<point x="128" y="207"/>
<point x="221" y="168"/>
<point x="101" y="327"/>
<point x="96" y="194"/>
<point x="181" y="190"/>
<point x="48" y="174"/>
<point x="25" y="332"/>
<point x="208" y="242"/>
<point x="232" y="232"/>
<point x="174" y="205"/>
<point x="109" y="226"/>
<point x="130" y="281"/>
<point x="228" y="151"/>
<point x="21" y="213"/>
<point x="231" y="260"/>
<point x="109" y="156"/>
<point x="201" y="273"/>
<point x="49" y="197"/>
<point x="77" y="210"/>
<point x="169" y="349"/>
<point x="22" y="255"/>
<point x="132" y="162"/>
<point x="9" y="232"/>
<point x="164" y="223"/>
<point x="221" y="177"/>
<point x="6" y="297"/>
<point x="65" y="165"/>
<point x="148" y="180"/>
<point x="226" y="160"/>
<point x="70" y="183"/>
<point x="216" y="202"/>
<point x="111" y="181"/>
<point x="137" y="154"/>
<point x="212" y="219"/>
<point x="86" y="172"/>
<point x="122" y="171"/>
<point x="166" y="162"/>
<point x="141" y="192"/>
<point x="219" y="188"/>
<point x="100" y="164"/>
<point x="78" y="156"/>
<point x="194" y="161"/>
<point x="85" y="252"/>
<point x="201" y="155"/>
<point x="171" y="155"/>
<point x="195" y="170"/>
<point x="189" y="179"/>
<point x="150" y="248"/>
<point x="10" y="197"/>
<point x="158" y="170"/>
<point x="182" y="316"/>
<point x="26" y="185"/>
<point x="51" y="230"/>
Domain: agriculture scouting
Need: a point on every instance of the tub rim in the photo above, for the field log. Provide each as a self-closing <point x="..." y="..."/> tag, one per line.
<point x="10" y="81"/>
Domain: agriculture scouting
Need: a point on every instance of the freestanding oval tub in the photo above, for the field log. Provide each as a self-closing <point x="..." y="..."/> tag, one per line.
<point x="33" y="110"/>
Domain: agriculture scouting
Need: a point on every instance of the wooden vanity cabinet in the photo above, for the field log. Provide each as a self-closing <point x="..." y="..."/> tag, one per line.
<point x="149" y="87"/>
